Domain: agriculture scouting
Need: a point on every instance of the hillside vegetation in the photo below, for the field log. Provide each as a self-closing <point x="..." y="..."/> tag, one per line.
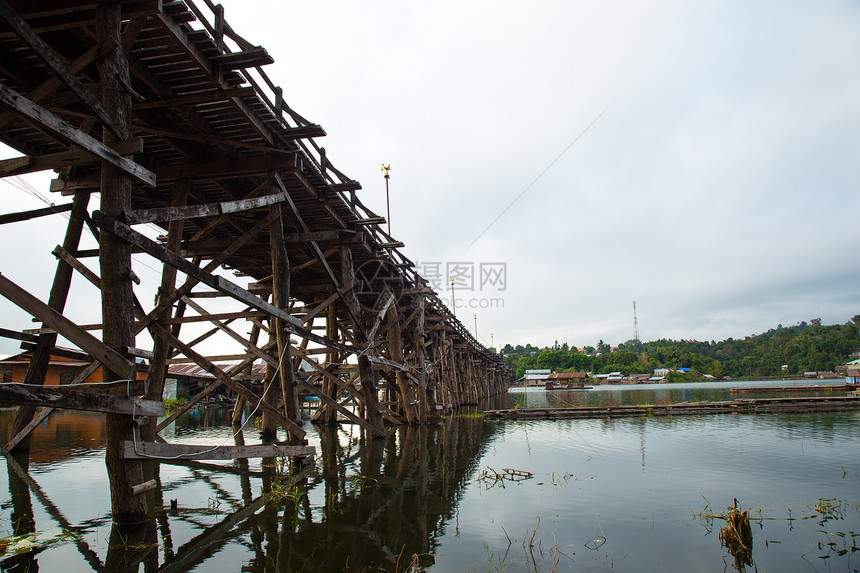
<point x="801" y="348"/>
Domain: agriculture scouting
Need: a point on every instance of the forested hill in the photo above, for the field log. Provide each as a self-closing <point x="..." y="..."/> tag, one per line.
<point x="802" y="348"/>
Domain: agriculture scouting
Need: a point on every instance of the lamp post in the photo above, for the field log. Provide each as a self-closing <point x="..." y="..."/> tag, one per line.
<point x="386" y="169"/>
<point x="453" y="300"/>
<point x="475" y="316"/>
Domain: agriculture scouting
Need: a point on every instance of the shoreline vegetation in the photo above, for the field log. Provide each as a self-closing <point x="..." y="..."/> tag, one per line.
<point x="780" y="353"/>
<point x="829" y="375"/>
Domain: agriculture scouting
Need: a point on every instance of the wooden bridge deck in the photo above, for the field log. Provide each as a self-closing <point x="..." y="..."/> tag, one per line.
<point x="167" y="113"/>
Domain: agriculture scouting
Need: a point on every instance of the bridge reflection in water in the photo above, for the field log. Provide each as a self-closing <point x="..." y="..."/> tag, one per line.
<point x="365" y="505"/>
<point x="381" y="503"/>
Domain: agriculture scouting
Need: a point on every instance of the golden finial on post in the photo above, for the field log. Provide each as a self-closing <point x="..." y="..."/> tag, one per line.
<point x="386" y="169"/>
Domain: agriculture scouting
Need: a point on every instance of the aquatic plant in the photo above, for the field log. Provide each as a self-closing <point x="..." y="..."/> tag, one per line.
<point x="19" y="544"/>
<point x="172" y="404"/>
<point x="490" y="478"/>
<point x="737" y="537"/>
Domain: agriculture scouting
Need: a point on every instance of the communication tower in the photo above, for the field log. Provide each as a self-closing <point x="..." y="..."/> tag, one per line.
<point x="635" y="323"/>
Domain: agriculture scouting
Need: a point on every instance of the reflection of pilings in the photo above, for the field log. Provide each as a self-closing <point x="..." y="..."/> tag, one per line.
<point x="208" y="541"/>
<point x="408" y="487"/>
<point x="23" y="521"/>
<point x="88" y="554"/>
<point x="213" y="538"/>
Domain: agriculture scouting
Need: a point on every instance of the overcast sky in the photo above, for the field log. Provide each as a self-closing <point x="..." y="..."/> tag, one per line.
<point x="701" y="158"/>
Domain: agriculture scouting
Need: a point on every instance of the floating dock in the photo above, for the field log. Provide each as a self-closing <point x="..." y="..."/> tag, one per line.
<point x="787" y="389"/>
<point x="739" y="406"/>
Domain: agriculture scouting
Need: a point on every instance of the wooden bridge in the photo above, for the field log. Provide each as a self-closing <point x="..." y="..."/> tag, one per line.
<point x="166" y="113"/>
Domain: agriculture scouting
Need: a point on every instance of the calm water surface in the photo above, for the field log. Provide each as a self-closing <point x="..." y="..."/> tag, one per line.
<point x="605" y="495"/>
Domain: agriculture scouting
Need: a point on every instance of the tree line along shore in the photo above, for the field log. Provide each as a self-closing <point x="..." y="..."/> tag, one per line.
<point x="780" y="352"/>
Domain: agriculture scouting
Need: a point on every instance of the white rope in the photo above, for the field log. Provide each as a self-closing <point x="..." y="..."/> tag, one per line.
<point x="233" y="435"/>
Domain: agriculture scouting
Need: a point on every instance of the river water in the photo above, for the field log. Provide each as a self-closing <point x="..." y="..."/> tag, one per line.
<point x="633" y="494"/>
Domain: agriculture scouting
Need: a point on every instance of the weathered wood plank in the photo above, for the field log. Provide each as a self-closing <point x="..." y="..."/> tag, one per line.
<point x="380" y="316"/>
<point x="61" y="397"/>
<point x="70" y="260"/>
<point x="70" y="134"/>
<point x="84" y="340"/>
<point x="6" y="333"/>
<point x="35" y="213"/>
<point x="203" y="210"/>
<point x="71" y="158"/>
<point x="257" y="56"/>
<point x="26" y="430"/>
<point x="147" y="450"/>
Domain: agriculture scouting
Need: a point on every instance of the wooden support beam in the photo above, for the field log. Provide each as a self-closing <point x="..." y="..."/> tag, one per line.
<point x="370" y="221"/>
<point x="70" y="260"/>
<point x="249" y="347"/>
<point x="257" y="56"/>
<point x="191" y="281"/>
<point x="380" y="316"/>
<point x="247" y="314"/>
<point x="150" y="450"/>
<point x="227" y="169"/>
<point x="35" y="213"/>
<point x="62" y="397"/>
<point x="139" y="216"/>
<point x="53" y="83"/>
<point x="26" y="430"/>
<point x="58" y="67"/>
<point x="311" y="314"/>
<point x="63" y="159"/>
<point x="219" y="283"/>
<point x="368" y="379"/>
<point x="291" y="133"/>
<point x="281" y="299"/>
<point x="357" y="322"/>
<point x="377" y="432"/>
<point x="46" y="120"/>
<point x="224" y="378"/>
<point x="84" y="340"/>
<point x="23" y="336"/>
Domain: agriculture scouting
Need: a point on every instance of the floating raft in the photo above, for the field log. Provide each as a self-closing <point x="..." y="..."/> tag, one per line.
<point x="739" y="406"/>
<point x="785" y="389"/>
